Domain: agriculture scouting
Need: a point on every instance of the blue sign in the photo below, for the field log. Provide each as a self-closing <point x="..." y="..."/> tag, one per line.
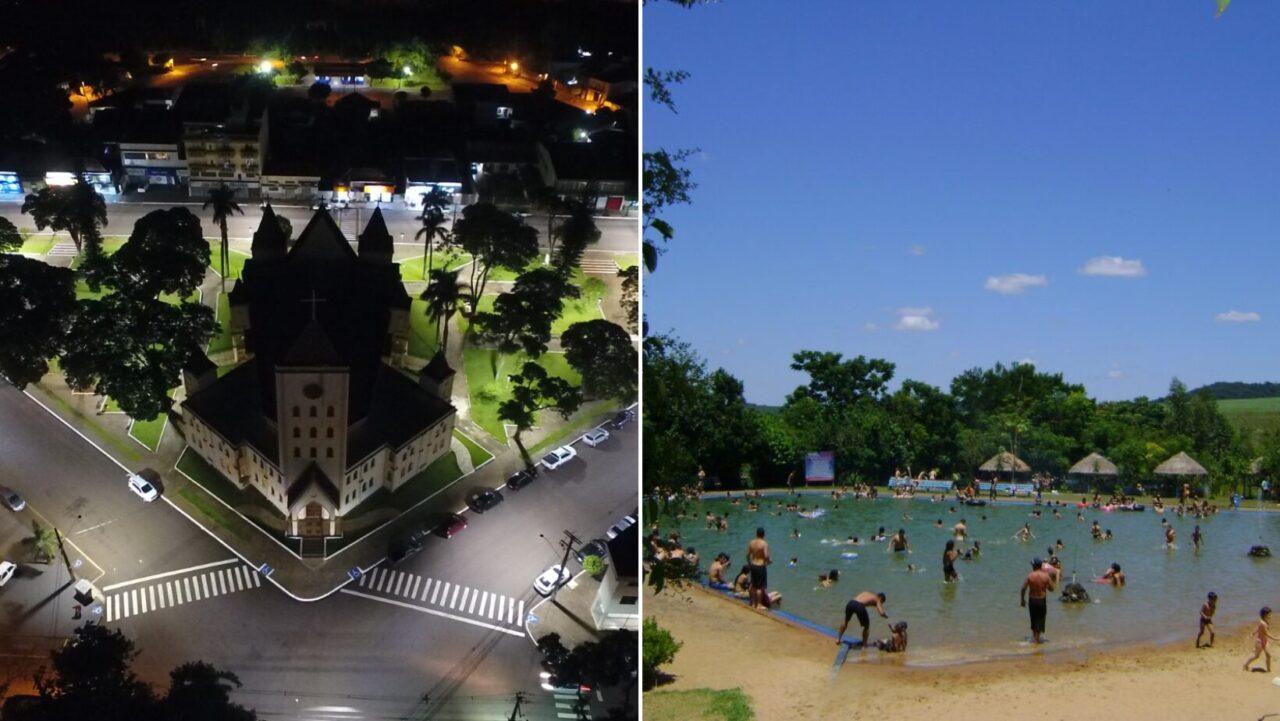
<point x="355" y="573"/>
<point x="266" y="570"/>
<point x="532" y="618"/>
<point x="820" y="467"/>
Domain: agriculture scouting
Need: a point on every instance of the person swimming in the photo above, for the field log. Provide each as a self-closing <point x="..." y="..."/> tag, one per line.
<point x="949" y="556"/>
<point x="897" y="643"/>
<point x="830" y="579"/>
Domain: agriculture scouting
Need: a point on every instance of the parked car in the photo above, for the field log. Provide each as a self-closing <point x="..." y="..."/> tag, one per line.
<point x="452" y="526"/>
<point x="522" y="478"/>
<point x="598" y="547"/>
<point x="622" y="418"/>
<point x="616" y="529"/>
<point x="558" y="457"/>
<point x="10" y="498"/>
<point x="143" y="488"/>
<point x="6" y="571"/>
<point x="404" y="550"/>
<point x="595" y="437"/>
<point x="551" y="579"/>
<point x="554" y="684"/>
<point x="484" y="501"/>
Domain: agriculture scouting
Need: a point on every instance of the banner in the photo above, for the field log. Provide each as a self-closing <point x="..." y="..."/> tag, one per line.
<point x="820" y="467"/>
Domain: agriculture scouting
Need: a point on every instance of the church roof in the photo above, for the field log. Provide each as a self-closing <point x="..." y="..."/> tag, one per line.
<point x="232" y="407"/>
<point x="376" y="238"/>
<point x="268" y="236"/>
<point x="198" y="362"/>
<point x="438" y="368"/>
<point x="313" y="478"/>
<point x="400" y="410"/>
<point x="322" y="239"/>
<point x="312" y="349"/>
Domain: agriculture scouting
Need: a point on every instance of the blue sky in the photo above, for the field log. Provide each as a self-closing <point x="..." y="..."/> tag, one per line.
<point x="874" y="176"/>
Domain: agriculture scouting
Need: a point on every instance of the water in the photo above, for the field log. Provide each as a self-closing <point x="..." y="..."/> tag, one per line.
<point x="979" y="617"/>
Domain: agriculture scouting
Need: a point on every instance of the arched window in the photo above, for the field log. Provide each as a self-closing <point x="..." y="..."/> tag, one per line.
<point x="328" y="453"/>
<point x="297" y="452"/>
<point x="313" y="451"/>
<point x="297" y="432"/>
<point x="330" y="411"/>
<point x="313" y="431"/>
<point x="328" y="433"/>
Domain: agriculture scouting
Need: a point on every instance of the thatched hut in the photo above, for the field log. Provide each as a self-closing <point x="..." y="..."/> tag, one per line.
<point x="1004" y="461"/>
<point x="1180" y="465"/>
<point x="1092" y="470"/>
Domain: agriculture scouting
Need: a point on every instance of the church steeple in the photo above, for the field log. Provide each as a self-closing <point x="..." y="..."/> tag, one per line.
<point x="376" y="245"/>
<point x="268" y="240"/>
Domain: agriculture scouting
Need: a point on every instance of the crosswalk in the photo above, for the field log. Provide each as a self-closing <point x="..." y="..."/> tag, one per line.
<point x="445" y="595"/>
<point x="569" y="704"/>
<point x="64" y="248"/>
<point x="602" y="267"/>
<point x="172" y="592"/>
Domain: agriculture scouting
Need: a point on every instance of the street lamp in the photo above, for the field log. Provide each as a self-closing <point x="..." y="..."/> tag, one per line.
<point x="264" y="67"/>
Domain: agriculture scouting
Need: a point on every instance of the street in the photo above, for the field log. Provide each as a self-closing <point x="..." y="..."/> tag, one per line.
<point x="370" y="651"/>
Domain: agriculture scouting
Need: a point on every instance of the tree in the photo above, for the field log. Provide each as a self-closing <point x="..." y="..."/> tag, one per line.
<point x="44" y="542"/>
<point x="39" y="303"/>
<point x="222" y="200"/>
<point x="200" y="692"/>
<point x="605" y="356"/>
<point x="575" y="234"/>
<point x="93" y="678"/>
<point x="547" y="200"/>
<point x="433" y="206"/>
<point x="659" y="648"/>
<point x="10" y="238"/>
<point x="534" y="390"/>
<point x="493" y="237"/>
<point x="132" y="348"/>
<point x="77" y="209"/>
<point x="839" y="382"/>
<point x="425" y="91"/>
<point x="443" y="296"/>
<point x="297" y="71"/>
<point x="286" y="227"/>
<point x="166" y="253"/>
<point x="630" y="297"/>
<point x="593" y="565"/>
<point x="319" y="91"/>
<point x="523" y="317"/>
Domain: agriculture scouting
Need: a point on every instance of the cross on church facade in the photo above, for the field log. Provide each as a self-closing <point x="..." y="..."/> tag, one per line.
<point x="312" y="300"/>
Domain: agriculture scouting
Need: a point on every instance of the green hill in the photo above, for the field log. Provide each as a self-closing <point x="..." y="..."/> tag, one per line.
<point x="1252" y="414"/>
<point x="1231" y="390"/>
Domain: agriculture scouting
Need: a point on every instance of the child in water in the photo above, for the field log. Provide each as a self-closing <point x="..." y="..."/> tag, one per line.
<point x="1261" y="635"/>
<point x="1206" y="619"/>
<point x="896" y="643"/>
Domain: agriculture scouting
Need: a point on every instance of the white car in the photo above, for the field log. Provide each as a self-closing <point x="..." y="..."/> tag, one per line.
<point x="6" y="571"/>
<point x="558" y="457"/>
<point x="616" y="529"/>
<point x="551" y="579"/>
<point x="595" y="437"/>
<point x="10" y="498"/>
<point x="143" y="488"/>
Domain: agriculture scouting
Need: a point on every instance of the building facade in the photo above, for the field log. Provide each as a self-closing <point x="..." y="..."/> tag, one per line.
<point x="617" y="602"/>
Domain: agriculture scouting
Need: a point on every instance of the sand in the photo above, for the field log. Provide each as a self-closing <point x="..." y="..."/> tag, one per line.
<point x="787" y="673"/>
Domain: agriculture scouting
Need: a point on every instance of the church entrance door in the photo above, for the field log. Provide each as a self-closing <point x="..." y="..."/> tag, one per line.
<point x="312" y="524"/>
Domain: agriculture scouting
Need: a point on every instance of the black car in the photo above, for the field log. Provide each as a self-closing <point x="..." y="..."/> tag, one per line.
<point x="623" y="417"/>
<point x="484" y="500"/>
<point x="598" y="547"/>
<point x="403" y="550"/>
<point x="522" y="478"/>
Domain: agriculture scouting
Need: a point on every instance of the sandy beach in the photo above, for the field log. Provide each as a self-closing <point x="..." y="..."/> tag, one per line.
<point x="788" y="674"/>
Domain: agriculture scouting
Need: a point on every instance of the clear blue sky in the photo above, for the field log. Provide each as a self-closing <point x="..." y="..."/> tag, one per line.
<point x="872" y="175"/>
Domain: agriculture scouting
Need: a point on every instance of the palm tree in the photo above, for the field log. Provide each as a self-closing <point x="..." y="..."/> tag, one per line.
<point x="433" y="205"/>
<point x="77" y="209"/>
<point x="548" y="201"/>
<point x="443" y="296"/>
<point x="223" y="201"/>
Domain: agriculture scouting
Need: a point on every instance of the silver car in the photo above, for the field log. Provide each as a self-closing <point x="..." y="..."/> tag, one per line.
<point x="10" y="498"/>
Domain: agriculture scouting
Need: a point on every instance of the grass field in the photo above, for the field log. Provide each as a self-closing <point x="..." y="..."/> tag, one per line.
<point x="574" y="310"/>
<point x="148" y="432"/>
<point x="235" y="259"/>
<point x="411" y="268"/>
<point x="1252" y="414"/>
<point x="36" y="244"/>
<point x="478" y="454"/>
<point x="489" y="388"/>
<point x="221" y="341"/>
<point x="627" y="260"/>
<point x="728" y="705"/>
<point x="424" y="338"/>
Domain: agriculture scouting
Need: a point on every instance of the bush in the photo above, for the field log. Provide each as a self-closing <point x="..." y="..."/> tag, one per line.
<point x="593" y="565"/>
<point x="659" y="648"/>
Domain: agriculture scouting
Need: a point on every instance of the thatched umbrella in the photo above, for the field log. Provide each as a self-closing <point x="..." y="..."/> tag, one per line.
<point x="1095" y="466"/>
<point x="1181" y="465"/>
<point x="1004" y="461"/>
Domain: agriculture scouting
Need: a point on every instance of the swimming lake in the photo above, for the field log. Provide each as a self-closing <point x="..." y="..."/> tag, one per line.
<point x="979" y="617"/>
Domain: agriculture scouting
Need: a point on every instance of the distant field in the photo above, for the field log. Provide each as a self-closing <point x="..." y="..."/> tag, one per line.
<point x="1252" y="414"/>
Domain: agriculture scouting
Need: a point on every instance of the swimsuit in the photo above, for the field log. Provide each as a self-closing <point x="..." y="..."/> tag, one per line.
<point x="1038" y="608"/>
<point x="855" y="607"/>
<point x="759" y="576"/>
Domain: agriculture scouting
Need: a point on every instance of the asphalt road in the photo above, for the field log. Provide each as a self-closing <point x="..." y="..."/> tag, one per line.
<point x="366" y="654"/>
<point x="616" y="234"/>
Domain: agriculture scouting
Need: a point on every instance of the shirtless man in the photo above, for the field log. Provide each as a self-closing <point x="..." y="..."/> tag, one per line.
<point x="1169" y="535"/>
<point x="858" y="605"/>
<point x="1039" y="583"/>
<point x="960" y="530"/>
<point x="715" y="574"/>
<point x="898" y="542"/>
<point x="758" y="559"/>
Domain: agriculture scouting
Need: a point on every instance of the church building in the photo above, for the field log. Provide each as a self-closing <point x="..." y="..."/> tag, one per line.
<point x="321" y="415"/>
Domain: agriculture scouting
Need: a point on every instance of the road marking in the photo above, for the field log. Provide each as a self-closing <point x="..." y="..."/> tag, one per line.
<point x="168" y="589"/>
<point x="432" y="612"/>
<point x="167" y="594"/>
<point x="363" y="576"/>
<point x="413" y="592"/>
<point x="436" y="592"/>
<point x="167" y="574"/>
<point x="511" y="612"/>
<point x="204" y="586"/>
<point x="400" y="577"/>
<point x="109" y="609"/>
<point x="521" y="614"/>
<point x="472" y="609"/>
<point x="151" y="592"/>
<point x="454" y="602"/>
<point x="382" y="577"/>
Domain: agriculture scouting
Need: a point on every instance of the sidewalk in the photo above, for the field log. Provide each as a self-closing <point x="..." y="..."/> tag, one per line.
<point x="568" y="613"/>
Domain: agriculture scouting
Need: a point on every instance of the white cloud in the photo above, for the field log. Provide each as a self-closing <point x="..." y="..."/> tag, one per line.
<point x="917" y="319"/>
<point x="1238" y="316"/>
<point x="870" y="327"/>
<point x="1115" y="371"/>
<point x="1026" y="362"/>
<point x="917" y="250"/>
<point x="1014" y="283"/>
<point x="1114" y="266"/>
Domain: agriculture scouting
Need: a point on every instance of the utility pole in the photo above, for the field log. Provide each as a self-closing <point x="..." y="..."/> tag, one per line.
<point x="515" y="712"/>
<point x="63" y="549"/>
<point x="567" y="543"/>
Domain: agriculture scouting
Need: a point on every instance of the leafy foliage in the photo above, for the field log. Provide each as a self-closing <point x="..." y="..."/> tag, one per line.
<point x="444" y="294"/>
<point x="39" y="303"/>
<point x="166" y="253"/>
<point x="659" y="647"/>
<point x="575" y="234"/>
<point x="533" y="390"/>
<point x="493" y="237"/>
<point x="603" y="353"/>
<point x="77" y="209"/>
<point x="522" y="318"/>
<point x="630" y="297"/>
<point x="10" y="238"/>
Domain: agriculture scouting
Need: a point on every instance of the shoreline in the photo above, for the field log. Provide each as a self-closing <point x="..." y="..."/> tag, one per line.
<point x="788" y="673"/>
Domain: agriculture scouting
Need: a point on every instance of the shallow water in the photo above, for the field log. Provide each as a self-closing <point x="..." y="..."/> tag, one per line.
<point x="979" y="617"/>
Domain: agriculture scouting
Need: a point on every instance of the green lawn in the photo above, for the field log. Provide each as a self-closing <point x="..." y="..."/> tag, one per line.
<point x="627" y="260"/>
<point x="424" y="338"/>
<point x="212" y="480"/>
<point x="411" y="268"/>
<point x="221" y="341"/>
<point x="500" y="272"/>
<point x="148" y="432"/>
<point x="84" y="293"/>
<point x="489" y="388"/>
<point x="235" y="259"/>
<point x="478" y="454"/>
<point x="703" y="704"/>
<point x="588" y="419"/>
<point x="1256" y="415"/>
<point x="36" y="244"/>
<point x="431" y="479"/>
<point x="584" y="308"/>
